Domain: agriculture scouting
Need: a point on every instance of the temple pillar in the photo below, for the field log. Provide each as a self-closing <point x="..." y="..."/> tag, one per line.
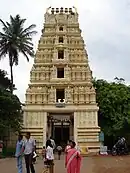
<point x="51" y="95"/>
<point x="44" y="127"/>
<point x="53" y="72"/>
<point x="33" y="98"/>
<point x="67" y="72"/>
<point x="92" y="98"/>
<point x="68" y="95"/>
<point x="55" y="55"/>
<point x="71" y="131"/>
<point x="83" y="75"/>
<point x="75" y="127"/>
<point x="73" y="76"/>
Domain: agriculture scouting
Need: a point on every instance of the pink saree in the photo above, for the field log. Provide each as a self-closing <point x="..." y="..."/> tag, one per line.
<point x="66" y="152"/>
<point x="73" y="161"/>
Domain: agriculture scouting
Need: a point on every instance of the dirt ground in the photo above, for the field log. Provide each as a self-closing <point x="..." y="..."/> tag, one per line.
<point x="97" y="164"/>
<point x="110" y="164"/>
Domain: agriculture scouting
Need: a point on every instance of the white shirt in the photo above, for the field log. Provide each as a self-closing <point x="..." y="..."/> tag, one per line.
<point x="53" y="143"/>
<point x="78" y="149"/>
<point x="49" y="153"/>
<point x="59" y="148"/>
<point x="29" y="146"/>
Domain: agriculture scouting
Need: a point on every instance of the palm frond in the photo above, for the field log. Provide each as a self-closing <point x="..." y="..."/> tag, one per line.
<point x="28" y="51"/>
<point x="27" y="46"/>
<point x="28" y="34"/>
<point x="26" y="42"/>
<point x="22" y="21"/>
<point x="8" y="24"/>
<point x="19" y="20"/>
<point x="23" y="52"/>
<point x="3" y="53"/>
<point x="28" y="29"/>
<point x="24" y="39"/>
<point x="2" y="35"/>
<point x="3" y="23"/>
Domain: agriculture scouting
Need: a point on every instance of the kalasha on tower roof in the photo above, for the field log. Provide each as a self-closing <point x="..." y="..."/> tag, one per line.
<point x="62" y="10"/>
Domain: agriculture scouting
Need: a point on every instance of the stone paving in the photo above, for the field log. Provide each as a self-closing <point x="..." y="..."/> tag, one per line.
<point x="98" y="164"/>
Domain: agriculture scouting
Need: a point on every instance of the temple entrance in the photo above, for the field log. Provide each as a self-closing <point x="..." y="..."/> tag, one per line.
<point x="60" y="127"/>
<point x="61" y="135"/>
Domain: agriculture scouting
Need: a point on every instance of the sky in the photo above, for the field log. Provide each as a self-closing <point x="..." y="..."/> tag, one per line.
<point x="105" y="26"/>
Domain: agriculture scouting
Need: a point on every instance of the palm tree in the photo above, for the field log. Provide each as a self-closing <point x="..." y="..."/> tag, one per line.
<point x="15" y="39"/>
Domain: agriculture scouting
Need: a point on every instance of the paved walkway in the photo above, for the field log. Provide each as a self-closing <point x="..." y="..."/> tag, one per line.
<point x="9" y="166"/>
<point x="89" y="165"/>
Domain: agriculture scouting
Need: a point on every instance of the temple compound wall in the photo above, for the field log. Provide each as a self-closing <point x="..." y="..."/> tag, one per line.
<point x="60" y="98"/>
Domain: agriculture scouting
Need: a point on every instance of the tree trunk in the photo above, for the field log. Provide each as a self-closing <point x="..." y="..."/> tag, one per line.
<point x="11" y="73"/>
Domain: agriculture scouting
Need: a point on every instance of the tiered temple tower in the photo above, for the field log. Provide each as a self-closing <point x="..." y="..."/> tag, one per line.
<point x="60" y="99"/>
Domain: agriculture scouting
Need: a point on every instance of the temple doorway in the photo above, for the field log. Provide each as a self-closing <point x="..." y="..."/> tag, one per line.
<point x="61" y="135"/>
<point x="60" y="127"/>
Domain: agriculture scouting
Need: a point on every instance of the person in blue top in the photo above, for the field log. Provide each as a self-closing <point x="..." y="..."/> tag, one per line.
<point x="19" y="152"/>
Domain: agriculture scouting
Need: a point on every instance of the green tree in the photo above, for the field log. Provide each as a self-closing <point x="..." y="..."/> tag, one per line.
<point x="4" y="81"/>
<point x="10" y="107"/>
<point x="15" y="39"/>
<point x="114" y="107"/>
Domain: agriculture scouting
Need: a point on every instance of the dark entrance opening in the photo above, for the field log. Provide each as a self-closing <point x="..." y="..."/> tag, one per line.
<point x="60" y="94"/>
<point x="61" y="40"/>
<point x="60" y="28"/>
<point x="61" y="134"/>
<point x="60" y="72"/>
<point x="61" y="54"/>
<point x="57" y="135"/>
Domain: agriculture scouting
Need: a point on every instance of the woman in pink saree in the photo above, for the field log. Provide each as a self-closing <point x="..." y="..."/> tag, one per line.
<point x="68" y="146"/>
<point x="73" y="160"/>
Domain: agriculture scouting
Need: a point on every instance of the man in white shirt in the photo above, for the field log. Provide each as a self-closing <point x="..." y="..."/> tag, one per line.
<point x="29" y="148"/>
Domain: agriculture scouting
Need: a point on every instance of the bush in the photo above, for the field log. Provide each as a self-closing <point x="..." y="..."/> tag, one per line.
<point x="9" y="152"/>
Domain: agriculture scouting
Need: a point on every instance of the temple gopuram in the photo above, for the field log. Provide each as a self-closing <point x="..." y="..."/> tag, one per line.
<point x="60" y="98"/>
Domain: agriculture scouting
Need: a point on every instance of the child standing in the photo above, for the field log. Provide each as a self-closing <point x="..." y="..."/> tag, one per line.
<point x="59" y="149"/>
<point x="44" y="155"/>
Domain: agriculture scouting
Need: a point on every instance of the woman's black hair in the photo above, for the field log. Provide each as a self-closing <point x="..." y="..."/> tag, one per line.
<point x="74" y="144"/>
<point x="48" y="143"/>
<point x="28" y="133"/>
<point x="70" y="141"/>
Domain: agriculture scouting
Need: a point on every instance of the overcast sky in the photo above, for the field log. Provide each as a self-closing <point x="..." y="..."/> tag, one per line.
<point x="105" y="26"/>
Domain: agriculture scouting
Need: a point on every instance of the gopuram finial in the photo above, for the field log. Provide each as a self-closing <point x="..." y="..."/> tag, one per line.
<point x="47" y="10"/>
<point x="76" y="11"/>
